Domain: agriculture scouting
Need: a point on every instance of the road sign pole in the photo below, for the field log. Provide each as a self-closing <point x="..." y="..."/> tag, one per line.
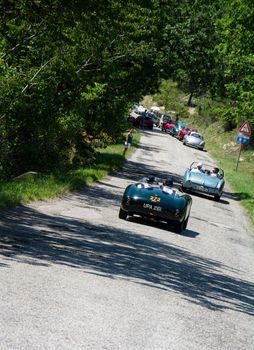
<point x="240" y="150"/>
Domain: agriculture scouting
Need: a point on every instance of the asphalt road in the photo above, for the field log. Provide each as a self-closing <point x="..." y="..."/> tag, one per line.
<point x="74" y="276"/>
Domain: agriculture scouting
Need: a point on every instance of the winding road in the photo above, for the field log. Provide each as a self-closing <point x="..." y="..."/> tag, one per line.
<point x="74" y="276"/>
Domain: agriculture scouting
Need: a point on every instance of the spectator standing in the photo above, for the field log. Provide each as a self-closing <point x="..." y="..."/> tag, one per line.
<point x="142" y="119"/>
<point x="128" y="141"/>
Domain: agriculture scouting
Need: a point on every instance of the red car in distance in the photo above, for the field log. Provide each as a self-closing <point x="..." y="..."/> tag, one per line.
<point x="136" y="121"/>
<point x="167" y="126"/>
<point x="185" y="131"/>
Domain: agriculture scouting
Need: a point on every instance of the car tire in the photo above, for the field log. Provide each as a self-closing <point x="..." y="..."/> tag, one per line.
<point x="179" y="227"/>
<point x="186" y="223"/>
<point x="217" y="198"/>
<point x="184" y="189"/>
<point x="122" y="214"/>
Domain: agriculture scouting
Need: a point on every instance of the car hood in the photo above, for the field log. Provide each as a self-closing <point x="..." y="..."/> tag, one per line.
<point x="204" y="180"/>
<point x="194" y="140"/>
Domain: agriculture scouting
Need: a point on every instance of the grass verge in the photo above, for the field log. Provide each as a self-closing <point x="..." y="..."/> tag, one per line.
<point x="40" y="187"/>
<point x="225" y="150"/>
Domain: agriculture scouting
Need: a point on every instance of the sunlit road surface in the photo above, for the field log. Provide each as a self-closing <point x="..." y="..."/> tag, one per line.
<point x="74" y="276"/>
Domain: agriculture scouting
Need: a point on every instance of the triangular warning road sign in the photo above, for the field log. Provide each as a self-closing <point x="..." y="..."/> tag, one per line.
<point x="245" y="128"/>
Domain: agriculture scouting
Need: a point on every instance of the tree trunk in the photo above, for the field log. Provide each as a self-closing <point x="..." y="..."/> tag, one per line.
<point x="190" y="98"/>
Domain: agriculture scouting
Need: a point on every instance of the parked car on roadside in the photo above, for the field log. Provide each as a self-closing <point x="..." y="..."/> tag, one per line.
<point x="175" y="130"/>
<point x="135" y="120"/>
<point x="154" y="117"/>
<point x="186" y="130"/>
<point x="164" y="118"/>
<point x="194" y="139"/>
<point x="166" y="127"/>
<point x="139" y="108"/>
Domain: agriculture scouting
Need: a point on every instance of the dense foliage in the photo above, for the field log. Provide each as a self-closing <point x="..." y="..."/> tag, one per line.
<point x="234" y="54"/>
<point x="70" y="70"/>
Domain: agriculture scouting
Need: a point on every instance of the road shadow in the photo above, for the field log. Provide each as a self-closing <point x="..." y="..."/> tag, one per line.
<point x="161" y="225"/>
<point x="148" y="148"/>
<point x="198" y="149"/>
<point x="30" y="237"/>
<point x="100" y="195"/>
<point x="237" y="196"/>
<point x="210" y="198"/>
<point x="135" y="171"/>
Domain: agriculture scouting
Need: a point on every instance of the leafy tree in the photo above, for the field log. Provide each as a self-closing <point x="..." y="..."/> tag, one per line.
<point x="236" y="59"/>
<point x="70" y="70"/>
<point x="170" y="96"/>
<point x="190" y="36"/>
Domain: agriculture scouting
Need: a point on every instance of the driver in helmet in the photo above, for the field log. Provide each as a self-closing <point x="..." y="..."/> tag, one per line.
<point x="167" y="185"/>
<point x="149" y="181"/>
<point x="215" y="171"/>
<point x="198" y="168"/>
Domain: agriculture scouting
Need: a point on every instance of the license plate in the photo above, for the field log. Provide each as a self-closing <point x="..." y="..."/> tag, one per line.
<point x="202" y="188"/>
<point x="152" y="207"/>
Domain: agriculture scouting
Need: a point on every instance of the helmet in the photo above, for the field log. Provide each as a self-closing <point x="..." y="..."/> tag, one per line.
<point x="168" y="181"/>
<point x="150" y="179"/>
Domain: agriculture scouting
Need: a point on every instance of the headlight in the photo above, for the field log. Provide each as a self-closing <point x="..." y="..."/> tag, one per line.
<point x="219" y="186"/>
<point x="177" y="212"/>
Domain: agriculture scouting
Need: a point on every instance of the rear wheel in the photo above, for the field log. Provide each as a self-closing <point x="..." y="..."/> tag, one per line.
<point x="122" y="214"/>
<point x="179" y="227"/>
<point x="186" y="223"/>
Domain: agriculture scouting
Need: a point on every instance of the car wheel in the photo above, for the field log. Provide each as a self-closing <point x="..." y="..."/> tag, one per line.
<point x="122" y="214"/>
<point x="186" y="223"/>
<point x="179" y="227"/>
<point x="217" y="197"/>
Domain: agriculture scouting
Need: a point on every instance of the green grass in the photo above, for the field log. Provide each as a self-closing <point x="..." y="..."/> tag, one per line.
<point x="224" y="149"/>
<point x="40" y="187"/>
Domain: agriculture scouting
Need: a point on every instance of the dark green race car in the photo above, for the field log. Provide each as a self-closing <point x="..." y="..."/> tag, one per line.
<point x="154" y="202"/>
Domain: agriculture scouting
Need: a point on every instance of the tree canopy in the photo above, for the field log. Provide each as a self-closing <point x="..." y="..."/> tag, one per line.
<point x="70" y="70"/>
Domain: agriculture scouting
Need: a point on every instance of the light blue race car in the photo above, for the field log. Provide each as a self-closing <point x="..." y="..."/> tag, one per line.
<point x="204" y="178"/>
